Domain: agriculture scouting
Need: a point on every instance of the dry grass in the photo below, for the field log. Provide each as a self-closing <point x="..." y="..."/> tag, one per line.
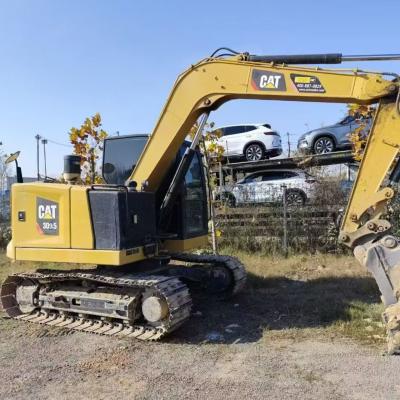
<point x="291" y="298"/>
<point x="323" y="295"/>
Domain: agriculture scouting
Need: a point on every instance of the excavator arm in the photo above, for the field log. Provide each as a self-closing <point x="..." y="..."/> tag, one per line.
<point x="207" y="85"/>
<point x="365" y="228"/>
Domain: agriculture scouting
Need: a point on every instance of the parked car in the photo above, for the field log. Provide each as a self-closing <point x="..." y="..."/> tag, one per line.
<point x="267" y="187"/>
<point x="252" y="142"/>
<point x="333" y="137"/>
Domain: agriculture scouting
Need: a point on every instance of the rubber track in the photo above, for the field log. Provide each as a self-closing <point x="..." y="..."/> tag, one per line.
<point x="172" y="289"/>
<point x="236" y="268"/>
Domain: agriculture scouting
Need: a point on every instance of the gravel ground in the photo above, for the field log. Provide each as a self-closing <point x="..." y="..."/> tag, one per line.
<point x="304" y="328"/>
<point x="43" y="363"/>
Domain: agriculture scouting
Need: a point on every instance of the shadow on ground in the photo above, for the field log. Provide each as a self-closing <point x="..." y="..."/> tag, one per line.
<point x="276" y="304"/>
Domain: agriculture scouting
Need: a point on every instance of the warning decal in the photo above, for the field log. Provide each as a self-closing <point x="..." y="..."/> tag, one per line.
<point x="307" y="83"/>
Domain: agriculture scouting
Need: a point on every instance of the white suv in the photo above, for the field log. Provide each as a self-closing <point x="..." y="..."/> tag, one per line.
<point x="266" y="187"/>
<point x="251" y="141"/>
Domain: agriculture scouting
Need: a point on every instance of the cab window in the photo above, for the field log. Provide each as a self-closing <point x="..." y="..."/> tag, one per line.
<point x="120" y="156"/>
<point x="194" y="199"/>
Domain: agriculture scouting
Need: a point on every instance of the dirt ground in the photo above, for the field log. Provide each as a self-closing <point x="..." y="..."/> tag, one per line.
<point x="305" y="328"/>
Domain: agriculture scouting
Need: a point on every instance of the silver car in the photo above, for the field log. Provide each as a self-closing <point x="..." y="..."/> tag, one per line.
<point x="331" y="138"/>
<point x="267" y="187"/>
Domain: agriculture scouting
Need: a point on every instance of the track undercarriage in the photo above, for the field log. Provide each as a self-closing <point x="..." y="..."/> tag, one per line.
<point x="116" y="301"/>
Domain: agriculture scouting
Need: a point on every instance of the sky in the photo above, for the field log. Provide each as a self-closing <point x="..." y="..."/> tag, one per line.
<point x="64" y="60"/>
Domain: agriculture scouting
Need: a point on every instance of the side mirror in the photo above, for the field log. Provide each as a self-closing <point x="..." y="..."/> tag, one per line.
<point x="13" y="157"/>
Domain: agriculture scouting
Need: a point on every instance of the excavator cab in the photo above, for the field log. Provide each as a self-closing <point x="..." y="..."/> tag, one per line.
<point x="189" y="216"/>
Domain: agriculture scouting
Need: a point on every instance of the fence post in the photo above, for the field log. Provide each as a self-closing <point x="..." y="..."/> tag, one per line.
<point x="206" y="166"/>
<point x="285" y="238"/>
<point x="221" y="181"/>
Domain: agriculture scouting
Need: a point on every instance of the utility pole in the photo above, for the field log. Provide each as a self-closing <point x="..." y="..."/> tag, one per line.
<point x="44" y="142"/>
<point x="37" y="137"/>
<point x="288" y="143"/>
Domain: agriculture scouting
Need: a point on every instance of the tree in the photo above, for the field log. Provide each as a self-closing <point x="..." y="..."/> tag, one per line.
<point x="88" y="143"/>
<point x="209" y="145"/>
<point x="212" y="148"/>
<point x="358" y="137"/>
<point x="213" y="153"/>
<point x="4" y="173"/>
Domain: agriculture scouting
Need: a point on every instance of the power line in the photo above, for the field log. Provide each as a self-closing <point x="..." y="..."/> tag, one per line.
<point x="44" y="142"/>
<point x="58" y="143"/>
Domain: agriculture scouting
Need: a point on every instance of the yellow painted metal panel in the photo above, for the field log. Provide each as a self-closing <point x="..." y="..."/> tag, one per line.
<point x="104" y="257"/>
<point x="26" y="230"/>
<point x="381" y="150"/>
<point x="187" y="244"/>
<point x="11" y="250"/>
<point x="210" y="83"/>
<point x="81" y="224"/>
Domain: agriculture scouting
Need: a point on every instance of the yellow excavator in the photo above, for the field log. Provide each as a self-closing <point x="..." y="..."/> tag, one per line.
<point x="137" y="227"/>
